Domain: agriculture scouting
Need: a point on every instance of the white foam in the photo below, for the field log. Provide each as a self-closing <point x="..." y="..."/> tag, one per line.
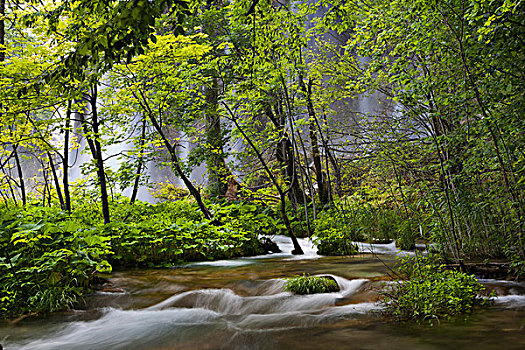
<point x="511" y="301"/>
<point x="224" y="263"/>
<point x="119" y="329"/>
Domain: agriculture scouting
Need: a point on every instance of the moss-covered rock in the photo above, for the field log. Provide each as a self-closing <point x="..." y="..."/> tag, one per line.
<point x="311" y="284"/>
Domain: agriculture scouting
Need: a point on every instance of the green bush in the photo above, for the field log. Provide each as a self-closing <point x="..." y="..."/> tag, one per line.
<point x="306" y="284"/>
<point x="377" y="221"/>
<point x="335" y="229"/>
<point x="44" y="267"/>
<point x="336" y="244"/>
<point x="430" y="292"/>
<point x="49" y="258"/>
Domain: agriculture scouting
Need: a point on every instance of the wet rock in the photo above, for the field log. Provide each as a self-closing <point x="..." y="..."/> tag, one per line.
<point x="269" y="246"/>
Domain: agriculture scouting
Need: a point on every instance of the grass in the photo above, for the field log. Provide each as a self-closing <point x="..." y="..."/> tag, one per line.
<point x="306" y="284"/>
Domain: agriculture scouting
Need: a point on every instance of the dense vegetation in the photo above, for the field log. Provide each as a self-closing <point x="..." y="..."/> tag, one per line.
<point x="365" y="120"/>
<point x="49" y="258"/>
<point x="428" y="293"/>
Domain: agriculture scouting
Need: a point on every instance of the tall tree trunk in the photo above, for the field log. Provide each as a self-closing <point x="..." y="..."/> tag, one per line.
<point x="20" y="174"/>
<point x="2" y="42"/>
<point x="324" y="195"/>
<point x="286" y="157"/>
<point x="174" y="157"/>
<point x="96" y="151"/>
<point x="99" y="158"/>
<point x="56" y="181"/>
<point x="220" y="177"/>
<point x="141" y="163"/>
<point x="217" y="171"/>
<point x="2" y="34"/>
<point x="282" y="194"/>
<point x="65" y="158"/>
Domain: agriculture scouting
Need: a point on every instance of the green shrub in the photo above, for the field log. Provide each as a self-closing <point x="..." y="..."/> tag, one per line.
<point x="336" y="244"/>
<point x="46" y="266"/>
<point x="306" y="284"/>
<point x="48" y="258"/>
<point x="335" y="229"/>
<point x="430" y="292"/>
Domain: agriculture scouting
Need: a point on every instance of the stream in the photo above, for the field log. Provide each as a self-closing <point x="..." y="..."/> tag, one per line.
<point x="240" y="304"/>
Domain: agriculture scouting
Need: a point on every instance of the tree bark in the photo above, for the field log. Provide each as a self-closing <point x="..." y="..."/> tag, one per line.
<point x="56" y="181"/>
<point x="140" y="165"/>
<point x="20" y="175"/>
<point x="65" y="159"/>
<point x="324" y="196"/>
<point x="220" y="178"/>
<point x="96" y="151"/>
<point x="174" y="157"/>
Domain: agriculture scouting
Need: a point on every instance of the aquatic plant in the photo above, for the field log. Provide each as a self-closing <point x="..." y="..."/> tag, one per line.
<point x="306" y="284"/>
<point x="427" y="292"/>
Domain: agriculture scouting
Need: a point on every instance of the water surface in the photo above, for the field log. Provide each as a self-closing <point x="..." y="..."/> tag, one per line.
<point x="240" y="304"/>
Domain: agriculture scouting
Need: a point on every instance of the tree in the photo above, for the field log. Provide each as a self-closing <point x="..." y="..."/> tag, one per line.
<point x="163" y="85"/>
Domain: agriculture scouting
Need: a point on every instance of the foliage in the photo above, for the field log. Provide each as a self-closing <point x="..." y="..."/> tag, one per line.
<point x="170" y="232"/>
<point x="307" y="284"/>
<point x="48" y="258"/>
<point x="166" y="191"/>
<point x="451" y="125"/>
<point x="250" y="217"/>
<point x="46" y="266"/>
<point x="371" y="215"/>
<point x="430" y="292"/>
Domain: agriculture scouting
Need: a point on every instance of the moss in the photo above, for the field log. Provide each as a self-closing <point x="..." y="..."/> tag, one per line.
<point x="311" y="284"/>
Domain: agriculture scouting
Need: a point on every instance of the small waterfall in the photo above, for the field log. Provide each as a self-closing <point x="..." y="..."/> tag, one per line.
<point x="205" y="316"/>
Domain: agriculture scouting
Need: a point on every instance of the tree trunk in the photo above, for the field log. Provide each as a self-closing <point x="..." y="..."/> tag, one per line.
<point x="141" y="163"/>
<point x="99" y="158"/>
<point x="174" y="157"/>
<point x="286" y="158"/>
<point x="217" y="171"/>
<point x="20" y="174"/>
<point x="220" y="178"/>
<point x="65" y="159"/>
<point x="2" y="33"/>
<point x="56" y="181"/>
<point x="324" y="196"/>
<point x="282" y="195"/>
<point x="96" y="152"/>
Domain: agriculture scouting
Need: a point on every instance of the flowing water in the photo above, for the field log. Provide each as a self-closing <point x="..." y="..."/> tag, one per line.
<point x="240" y="304"/>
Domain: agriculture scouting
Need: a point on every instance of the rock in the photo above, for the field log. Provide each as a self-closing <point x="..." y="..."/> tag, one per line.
<point x="269" y="246"/>
<point x="311" y="285"/>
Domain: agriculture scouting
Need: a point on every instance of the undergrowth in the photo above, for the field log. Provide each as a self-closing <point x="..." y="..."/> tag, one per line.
<point x="427" y="292"/>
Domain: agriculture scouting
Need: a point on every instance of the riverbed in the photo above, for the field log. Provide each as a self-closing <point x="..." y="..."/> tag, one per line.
<point x="241" y="304"/>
